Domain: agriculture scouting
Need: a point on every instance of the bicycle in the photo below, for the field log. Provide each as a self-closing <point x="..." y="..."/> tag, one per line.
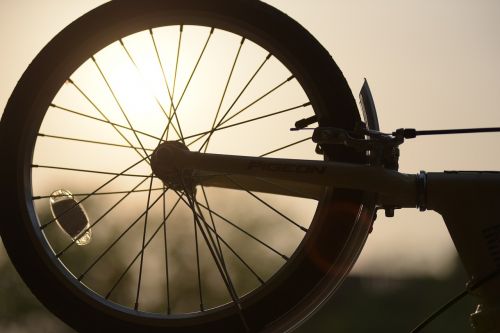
<point x="309" y="258"/>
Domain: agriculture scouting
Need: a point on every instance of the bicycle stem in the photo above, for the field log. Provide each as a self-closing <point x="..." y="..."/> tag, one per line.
<point x="467" y="201"/>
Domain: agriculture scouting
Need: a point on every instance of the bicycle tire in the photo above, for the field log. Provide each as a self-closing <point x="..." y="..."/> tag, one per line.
<point x="327" y="253"/>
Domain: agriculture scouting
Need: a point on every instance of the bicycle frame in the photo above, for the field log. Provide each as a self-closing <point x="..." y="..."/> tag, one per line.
<point x="467" y="201"/>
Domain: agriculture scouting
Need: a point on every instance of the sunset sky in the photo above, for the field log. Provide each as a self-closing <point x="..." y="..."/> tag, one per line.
<point x="430" y="64"/>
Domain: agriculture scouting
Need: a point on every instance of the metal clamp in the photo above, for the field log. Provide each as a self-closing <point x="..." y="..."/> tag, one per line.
<point x="422" y="191"/>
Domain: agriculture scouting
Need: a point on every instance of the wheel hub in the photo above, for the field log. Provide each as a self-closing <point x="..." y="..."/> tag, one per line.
<point x="164" y="167"/>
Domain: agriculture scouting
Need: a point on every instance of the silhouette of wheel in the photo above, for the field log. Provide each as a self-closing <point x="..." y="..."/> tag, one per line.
<point x="103" y="243"/>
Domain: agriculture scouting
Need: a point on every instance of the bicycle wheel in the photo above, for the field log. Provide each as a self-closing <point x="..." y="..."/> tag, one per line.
<point x="106" y="245"/>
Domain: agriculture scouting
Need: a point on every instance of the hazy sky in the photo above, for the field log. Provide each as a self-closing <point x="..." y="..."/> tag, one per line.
<point x="431" y="65"/>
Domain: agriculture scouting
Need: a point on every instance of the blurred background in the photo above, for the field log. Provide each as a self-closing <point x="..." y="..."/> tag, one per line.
<point x="430" y="65"/>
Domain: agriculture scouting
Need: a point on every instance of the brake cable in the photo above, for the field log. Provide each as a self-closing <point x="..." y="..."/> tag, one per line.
<point x="410" y="133"/>
<point x="470" y="287"/>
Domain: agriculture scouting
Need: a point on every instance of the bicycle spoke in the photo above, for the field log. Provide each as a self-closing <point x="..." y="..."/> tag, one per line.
<point x="259" y="99"/>
<point x="144" y="79"/>
<point x="213" y="222"/>
<point x="170" y="116"/>
<point x="216" y="248"/>
<point x="267" y="205"/>
<point x="136" y="306"/>
<point x="205" y="146"/>
<point x="284" y="257"/>
<point x="103" y="115"/>
<point x="242" y="91"/>
<point x="285" y="147"/>
<point x="92" y="193"/>
<point x="230" y="248"/>
<point x="233" y="251"/>
<point x="100" y="193"/>
<point x="175" y="81"/>
<point x="200" y="293"/>
<point x="223" y="272"/>
<point x="176" y="107"/>
<point x="167" y="86"/>
<point x="202" y="134"/>
<point x="120" y="278"/>
<point x="218" y="239"/>
<point x="245" y="87"/>
<point x="89" y="141"/>
<point x="111" y="91"/>
<point x="188" y="192"/>
<point x="244" y="109"/>
<point x="87" y="171"/>
<point x="165" y="245"/>
<point x="104" y="121"/>
<point x="196" y="226"/>
<point x="60" y="253"/>
<point x="82" y="275"/>
<point x="175" y="76"/>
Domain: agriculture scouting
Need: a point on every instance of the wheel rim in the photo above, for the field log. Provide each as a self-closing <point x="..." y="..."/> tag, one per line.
<point x="122" y="181"/>
<point x="41" y="102"/>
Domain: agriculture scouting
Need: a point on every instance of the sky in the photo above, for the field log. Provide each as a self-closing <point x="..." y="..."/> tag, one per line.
<point x="430" y="64"/>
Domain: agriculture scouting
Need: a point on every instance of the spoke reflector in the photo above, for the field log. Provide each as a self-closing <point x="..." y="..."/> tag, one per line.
<point x="70" y="216"/>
